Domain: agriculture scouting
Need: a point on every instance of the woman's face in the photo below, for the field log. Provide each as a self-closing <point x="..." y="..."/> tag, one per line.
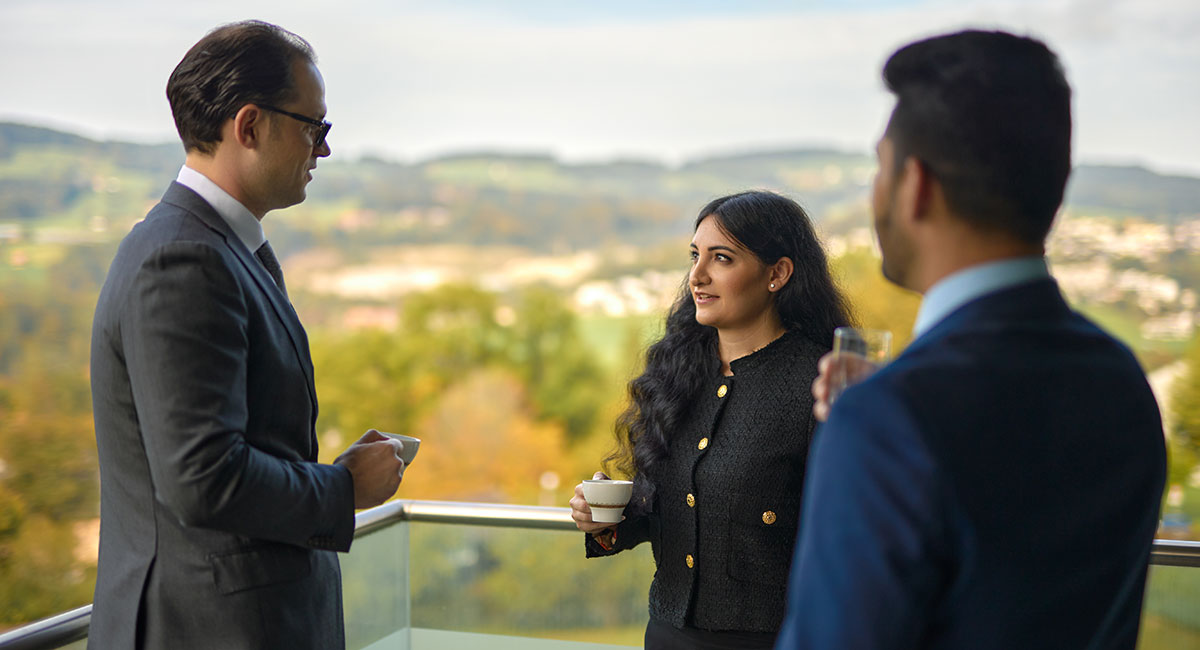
<point x="730" y="286"/>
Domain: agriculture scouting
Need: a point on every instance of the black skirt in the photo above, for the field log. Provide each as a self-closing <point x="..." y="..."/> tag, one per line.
<point x="661" y="635"/>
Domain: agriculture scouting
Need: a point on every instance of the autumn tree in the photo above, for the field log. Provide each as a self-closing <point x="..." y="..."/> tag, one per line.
<point x="48" y="491"/>
<point x="482" y="443"/>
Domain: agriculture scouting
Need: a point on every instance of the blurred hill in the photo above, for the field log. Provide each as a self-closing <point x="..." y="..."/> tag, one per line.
<point x="65" y="181"/>
<point x="1135" y="190"/>
<point x="495" y="305"/>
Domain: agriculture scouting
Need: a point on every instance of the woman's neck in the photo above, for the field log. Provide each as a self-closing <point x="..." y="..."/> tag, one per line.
<point x="735" y="344"/>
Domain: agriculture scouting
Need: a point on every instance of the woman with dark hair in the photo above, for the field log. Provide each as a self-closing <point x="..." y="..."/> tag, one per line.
<point x="718" y="427"/>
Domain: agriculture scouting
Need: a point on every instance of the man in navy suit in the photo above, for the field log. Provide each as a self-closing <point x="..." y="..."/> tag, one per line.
<point x="217" y="525"/>
<point x="998" y="484"/>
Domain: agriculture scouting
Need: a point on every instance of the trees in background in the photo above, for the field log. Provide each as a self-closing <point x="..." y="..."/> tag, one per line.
<point x="499" y="393"/>
<point x="875" y="302"/>
<point x="512" y="401"/>
<point x="49" y="477"/>
<point x="1184" y="422"/>
<point x="1185" y="399"/>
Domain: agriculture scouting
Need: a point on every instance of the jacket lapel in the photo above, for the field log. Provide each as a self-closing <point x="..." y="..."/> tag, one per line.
<point x="183" y="197"/>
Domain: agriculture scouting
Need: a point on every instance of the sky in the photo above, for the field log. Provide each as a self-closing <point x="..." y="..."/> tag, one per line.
<point x="664" y="81"/>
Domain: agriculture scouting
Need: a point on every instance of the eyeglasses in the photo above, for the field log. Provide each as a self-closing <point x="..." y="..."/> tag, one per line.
<point x="322" y="126"/>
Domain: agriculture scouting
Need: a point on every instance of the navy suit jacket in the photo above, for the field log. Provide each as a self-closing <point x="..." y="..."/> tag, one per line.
<point x="996" y="486"/>
<point x="217" y="525"/>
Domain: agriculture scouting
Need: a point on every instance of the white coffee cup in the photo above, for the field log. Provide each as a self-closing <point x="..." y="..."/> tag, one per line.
<point x="411" y="445"/>
<point x="607" y="498"/>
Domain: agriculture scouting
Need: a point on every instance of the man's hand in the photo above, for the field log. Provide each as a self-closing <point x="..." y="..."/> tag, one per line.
<point x="376" y="466"/>
<point x="582" y="514"/>
<point x="837" y="373"/>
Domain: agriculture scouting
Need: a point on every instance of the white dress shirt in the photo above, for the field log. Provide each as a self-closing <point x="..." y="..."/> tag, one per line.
<point x="957" y="289"/>
<point x="243" y="223"/>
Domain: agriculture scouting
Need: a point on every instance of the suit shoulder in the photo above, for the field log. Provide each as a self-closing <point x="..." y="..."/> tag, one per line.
<point x="167" y="221"/>
<point x="166" y="225"/>
<point x="1091" y="328"/>
<point x="169" y="246"/>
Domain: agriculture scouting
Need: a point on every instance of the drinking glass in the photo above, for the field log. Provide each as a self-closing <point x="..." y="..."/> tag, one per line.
<point x="857" y="352"/>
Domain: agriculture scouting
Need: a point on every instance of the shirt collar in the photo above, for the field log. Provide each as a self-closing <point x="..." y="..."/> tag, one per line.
<point x="243" y="223"/>
<point x="957" y="289"/>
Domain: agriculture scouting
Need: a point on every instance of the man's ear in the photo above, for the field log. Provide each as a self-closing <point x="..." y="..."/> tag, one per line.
<point x="249" y="125"/>
<point x="781" y="272"/>
<point x="915" y="190"/>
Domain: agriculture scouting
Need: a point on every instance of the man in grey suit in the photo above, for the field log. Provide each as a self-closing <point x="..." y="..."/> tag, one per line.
<point x="218" y="526"/>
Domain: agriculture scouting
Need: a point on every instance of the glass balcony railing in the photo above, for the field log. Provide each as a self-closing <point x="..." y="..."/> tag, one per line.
<point x="508" y="573"/>
<point x="448" y="575"/>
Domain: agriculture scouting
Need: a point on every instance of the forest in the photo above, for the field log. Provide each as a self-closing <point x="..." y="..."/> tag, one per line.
<point x="512" y="385"/>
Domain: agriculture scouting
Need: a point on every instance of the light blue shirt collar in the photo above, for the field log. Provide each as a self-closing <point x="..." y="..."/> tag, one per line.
<point x="957" y="289"/>
<point x="243" y="223"/>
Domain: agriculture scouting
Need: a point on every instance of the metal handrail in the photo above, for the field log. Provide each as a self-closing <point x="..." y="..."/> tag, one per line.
<point x="1173" y="552"/>
<point x="496" y="515"/>
<point x="53" y="632"/>
<point x="61" y="629"/>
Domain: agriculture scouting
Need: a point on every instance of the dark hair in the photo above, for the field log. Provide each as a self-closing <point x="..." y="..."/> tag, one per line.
<point x="989" y="115"/>
<point x="770" y="226"/>
<point x="233" y="65"/>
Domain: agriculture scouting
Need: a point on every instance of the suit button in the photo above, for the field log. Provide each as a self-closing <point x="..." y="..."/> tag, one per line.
<point x="703" y="443"/>
<point x="722" y="390"/>
<point x="691" y="562"/>
<point x="769" y="517"/>
<point x="691" y="501"/>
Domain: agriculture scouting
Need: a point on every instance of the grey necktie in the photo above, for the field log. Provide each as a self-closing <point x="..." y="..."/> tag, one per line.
<point x="266" y="255"/>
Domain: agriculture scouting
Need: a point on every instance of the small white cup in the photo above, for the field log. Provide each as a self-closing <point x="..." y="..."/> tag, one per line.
<point x="411" y="445"/>
<point x="607" y="498"/>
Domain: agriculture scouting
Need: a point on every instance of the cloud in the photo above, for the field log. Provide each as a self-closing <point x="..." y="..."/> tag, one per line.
<point x="413" y="79"/>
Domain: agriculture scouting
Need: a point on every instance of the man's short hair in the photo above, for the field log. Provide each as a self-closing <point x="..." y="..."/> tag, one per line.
<point x="989" y="115"/>
<point x="249" y="62"/>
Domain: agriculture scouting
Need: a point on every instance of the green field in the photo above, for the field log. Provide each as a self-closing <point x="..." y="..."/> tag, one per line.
<point x="614" y="339"/>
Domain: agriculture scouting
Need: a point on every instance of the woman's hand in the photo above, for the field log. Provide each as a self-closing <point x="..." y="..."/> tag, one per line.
<point x="582" y="514"/>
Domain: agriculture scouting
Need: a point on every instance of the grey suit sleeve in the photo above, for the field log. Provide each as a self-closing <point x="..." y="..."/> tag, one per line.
<point x="185" y="335"/>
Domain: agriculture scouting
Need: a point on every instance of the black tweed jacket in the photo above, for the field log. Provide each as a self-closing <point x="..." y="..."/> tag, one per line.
<point x="726" y="508"/>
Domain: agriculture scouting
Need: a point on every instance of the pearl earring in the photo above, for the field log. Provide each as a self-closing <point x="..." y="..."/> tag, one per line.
<point x="772" y="285"/>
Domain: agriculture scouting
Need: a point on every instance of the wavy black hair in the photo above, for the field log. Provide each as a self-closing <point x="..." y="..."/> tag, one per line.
<point x="771" y="227"/>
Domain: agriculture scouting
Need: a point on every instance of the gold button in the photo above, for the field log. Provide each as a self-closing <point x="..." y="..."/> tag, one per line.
<point x="691" y="562"/>
<point x="703" y="443"/>
<point x="769" y="517"/>
<point x="722" y="390"/>
<point x="691" y="501"/>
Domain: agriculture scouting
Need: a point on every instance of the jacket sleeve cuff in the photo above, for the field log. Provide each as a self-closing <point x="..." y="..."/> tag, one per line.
<point x="602" y="545"/>
<point x="340" y="533"/>
<point x="625" y="535"/>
